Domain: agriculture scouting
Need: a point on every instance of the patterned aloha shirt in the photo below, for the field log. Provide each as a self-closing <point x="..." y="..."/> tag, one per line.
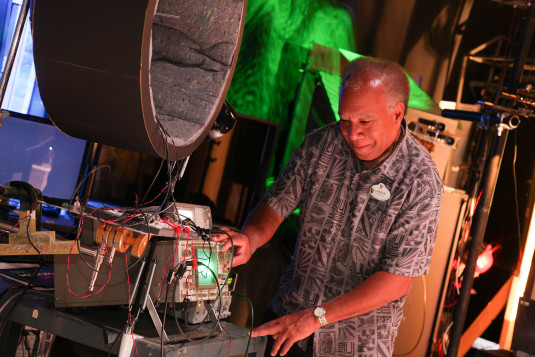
<point x="355" y="222"/>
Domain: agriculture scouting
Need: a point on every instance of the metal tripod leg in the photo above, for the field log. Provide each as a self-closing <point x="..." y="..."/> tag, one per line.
<point x="140" y="297"/>
<point x="156" y="320"/>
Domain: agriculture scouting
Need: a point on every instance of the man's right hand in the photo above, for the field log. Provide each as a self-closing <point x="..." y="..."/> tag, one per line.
<point x="242" y="246"/>
<point x="259" y="227"/>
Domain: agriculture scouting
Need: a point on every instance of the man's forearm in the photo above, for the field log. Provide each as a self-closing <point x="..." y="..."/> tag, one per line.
<point x="378" y="290"/>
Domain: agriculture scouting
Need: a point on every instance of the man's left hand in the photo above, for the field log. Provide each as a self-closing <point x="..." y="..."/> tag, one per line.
<point x="288" y="329"/>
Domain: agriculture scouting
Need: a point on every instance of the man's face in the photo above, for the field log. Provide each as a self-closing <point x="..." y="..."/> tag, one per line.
<point x="366" y="123"/>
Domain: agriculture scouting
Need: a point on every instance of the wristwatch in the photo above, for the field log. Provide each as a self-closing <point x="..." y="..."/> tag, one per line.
<point x="319" y="312"/>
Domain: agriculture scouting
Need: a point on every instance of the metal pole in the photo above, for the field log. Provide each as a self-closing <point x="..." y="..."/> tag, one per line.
<point x="478" y="232"/>
<point x="528" y="27"/>
<point x="13" y="49"/>
<point x="491" y="178"/>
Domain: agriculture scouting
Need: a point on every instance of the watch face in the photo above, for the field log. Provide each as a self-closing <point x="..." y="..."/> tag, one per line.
<point x="319" y="311"/>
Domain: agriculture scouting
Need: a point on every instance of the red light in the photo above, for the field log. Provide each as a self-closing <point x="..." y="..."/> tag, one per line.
<point x="485" y="259"/>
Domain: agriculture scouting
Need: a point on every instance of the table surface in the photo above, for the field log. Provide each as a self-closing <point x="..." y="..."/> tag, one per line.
<point x="99" y="327"/>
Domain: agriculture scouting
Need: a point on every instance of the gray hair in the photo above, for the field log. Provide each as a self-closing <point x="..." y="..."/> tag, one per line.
<point x="365" y="70"/>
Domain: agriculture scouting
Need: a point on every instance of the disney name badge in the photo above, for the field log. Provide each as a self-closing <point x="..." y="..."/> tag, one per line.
<point x="380" y="192"/>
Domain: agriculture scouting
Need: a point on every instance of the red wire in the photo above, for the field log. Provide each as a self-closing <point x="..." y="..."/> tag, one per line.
<point x="230" y="339"/>
<point x="112" y="221"/>
<point x="88" y="295"/>
<point x="46" y="250"/>
<point x="69" y="264"/>
<point x="10" y="228"/>
<point x="177" y="230"/>
<point x="146" y="203"/>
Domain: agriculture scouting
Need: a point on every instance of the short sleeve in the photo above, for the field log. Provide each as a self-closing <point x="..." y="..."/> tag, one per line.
<point x="411" y="239"/>
<point x="287" y="192"/>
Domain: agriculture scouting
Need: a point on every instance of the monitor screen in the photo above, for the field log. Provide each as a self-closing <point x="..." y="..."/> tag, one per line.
<point x="22" y="94"/>
<point x="40" y="154"/>
<point x="207" y="259"/>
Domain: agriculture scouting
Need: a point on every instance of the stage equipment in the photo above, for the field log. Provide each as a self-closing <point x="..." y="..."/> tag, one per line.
<point x="181" y="273"/>
<point x="431" y="131"/>
<point x="497" y="120"/>
<point x="446" y="140"/>
<point x="524" y="332"/>
<point x="145" y="75"/>
<point x="183" y="237"/>
<point x="30" y="239"/>
<point x="423" y="306"/>
<point x="225" y="121"/>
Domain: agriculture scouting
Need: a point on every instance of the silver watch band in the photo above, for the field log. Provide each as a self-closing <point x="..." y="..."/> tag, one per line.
<point x="319" y="312"/>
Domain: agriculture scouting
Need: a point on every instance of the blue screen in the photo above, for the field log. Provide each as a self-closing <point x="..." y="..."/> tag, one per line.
<point x="41" y="155"/>
<point x="22" y="94"/>
<point x="32" y="151"/>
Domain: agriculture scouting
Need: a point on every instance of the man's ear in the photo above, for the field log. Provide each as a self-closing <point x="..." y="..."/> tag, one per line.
<point x="399" y="112"/>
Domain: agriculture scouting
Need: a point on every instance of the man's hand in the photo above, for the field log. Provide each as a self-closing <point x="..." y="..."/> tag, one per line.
<point x="259" y="227"/>
<point x="288" y="329"/>
<point x="242" y="246"/>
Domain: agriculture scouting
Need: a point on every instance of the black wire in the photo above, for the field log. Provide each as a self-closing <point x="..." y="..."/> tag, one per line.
<point x="30" y="239"/>
<point x="90" y="266"/>
<point x="176" y="318"/>
<point x="23" y="339"/>
<point x="28" y="228"/>
<point x="12" y="287"/>
<point x="153" y="181"/>
<point x="36" y="343"/>
<point x="220" y="231"/>
<point x="252" y="319"/>
<point x="515" y="185"/>
<point x="80" y="221"/>
<point x="207" y="257"/>
<point x="11" y="305"/>
<point x="215" y="277"/>
<point x="219" y="288"/>
<point x="34" y="196"/>
<point x="170" y="166"/>
<point x="78" y="187"/>
<point x="128" y="267"/>
<point x="145" y="216"/>
<point x="177" y="279"/>
<point x="211" y="308"/>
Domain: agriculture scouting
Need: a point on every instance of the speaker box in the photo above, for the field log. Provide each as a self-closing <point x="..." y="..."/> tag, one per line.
<point x="143" y="75"/>
<point x="424" y="303"/>
<point x="524" y="332"/>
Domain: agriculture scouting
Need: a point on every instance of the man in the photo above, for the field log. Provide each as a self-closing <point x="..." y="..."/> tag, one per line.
<point x="370" y="199"/>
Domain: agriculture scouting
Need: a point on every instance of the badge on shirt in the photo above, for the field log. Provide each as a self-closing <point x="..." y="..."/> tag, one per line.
<point x="380" y="192"/>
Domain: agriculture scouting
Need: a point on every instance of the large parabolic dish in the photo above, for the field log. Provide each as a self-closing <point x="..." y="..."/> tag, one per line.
<point x="144" y="75"/>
